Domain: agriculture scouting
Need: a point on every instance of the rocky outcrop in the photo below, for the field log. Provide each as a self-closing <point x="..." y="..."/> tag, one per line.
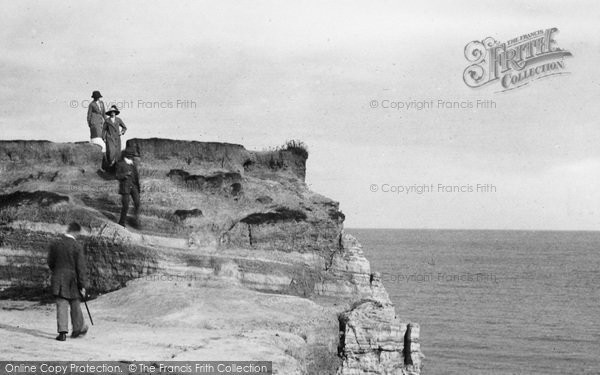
<point x="210" y="211"/>
<point x="374" y="341"/>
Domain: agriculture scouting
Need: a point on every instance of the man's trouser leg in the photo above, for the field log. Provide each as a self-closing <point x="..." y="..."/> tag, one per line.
<point x="124" y="208"/>
<point x="135" y="194"/>
<point x="76" y="315"/>
<point x="62" y="314"/>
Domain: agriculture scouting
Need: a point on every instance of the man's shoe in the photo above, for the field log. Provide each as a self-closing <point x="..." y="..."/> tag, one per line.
<point x="76" y="334"/>
<point x="136" y="224"/>
<point x="62" y="336"/>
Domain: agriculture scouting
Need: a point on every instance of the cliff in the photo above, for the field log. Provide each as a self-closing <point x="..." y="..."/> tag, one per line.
<point x="222" y="225"/>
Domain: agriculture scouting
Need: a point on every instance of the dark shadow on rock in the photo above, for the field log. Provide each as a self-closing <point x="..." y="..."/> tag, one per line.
<point x="42" y="198"/>
<point x="407" y="346"/>
<point x="336" y="215"/>
<point x="278" y="215"/>
<point x="248" y="165"/>
<point x="46" y="176"/>
<point x="236" y="189"/>
<point x="185" y="214"/>
<point x="214" y="182"/>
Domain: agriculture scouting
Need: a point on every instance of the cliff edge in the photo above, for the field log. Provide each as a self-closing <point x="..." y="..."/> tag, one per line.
<point x="236" y="259"/>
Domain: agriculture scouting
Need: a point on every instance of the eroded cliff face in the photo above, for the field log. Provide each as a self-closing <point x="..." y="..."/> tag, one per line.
<point x="208" y="210"/>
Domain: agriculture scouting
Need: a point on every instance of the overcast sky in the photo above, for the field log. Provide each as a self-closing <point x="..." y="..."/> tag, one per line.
<point x="262" y="72"/>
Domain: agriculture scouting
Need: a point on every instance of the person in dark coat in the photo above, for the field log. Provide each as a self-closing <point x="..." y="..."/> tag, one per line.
<point x="113" y="129"/>
<point x="95" y="119"/>
<point x="129" y="184"/>
<point x="67" y="262"/>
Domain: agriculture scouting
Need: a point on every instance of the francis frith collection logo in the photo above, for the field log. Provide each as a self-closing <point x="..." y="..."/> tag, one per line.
<point x="514" y="63"/>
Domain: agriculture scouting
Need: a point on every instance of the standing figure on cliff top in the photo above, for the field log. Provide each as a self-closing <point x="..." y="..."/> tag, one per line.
<point x="95" y="119"/>
<point x="129" y="185"/>
<point x="67" y="262"/>
<point x="113" y="129"/>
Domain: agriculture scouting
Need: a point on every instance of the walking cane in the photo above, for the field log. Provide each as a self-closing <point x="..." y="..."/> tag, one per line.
<point x="87" y="308"/>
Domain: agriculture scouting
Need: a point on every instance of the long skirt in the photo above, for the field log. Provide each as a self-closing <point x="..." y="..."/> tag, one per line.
<point x="113" y="145"/>
<point x="95" y="131"/>
<point x="113" y="149"/>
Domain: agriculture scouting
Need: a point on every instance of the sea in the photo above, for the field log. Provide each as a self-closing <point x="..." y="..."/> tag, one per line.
<point x="494" y="302"/>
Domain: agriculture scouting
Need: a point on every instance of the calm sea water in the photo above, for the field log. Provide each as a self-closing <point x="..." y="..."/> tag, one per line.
<point x="495" y="302"/>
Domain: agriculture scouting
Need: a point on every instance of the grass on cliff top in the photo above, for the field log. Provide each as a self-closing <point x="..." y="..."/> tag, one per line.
<point x="295" y="146"/>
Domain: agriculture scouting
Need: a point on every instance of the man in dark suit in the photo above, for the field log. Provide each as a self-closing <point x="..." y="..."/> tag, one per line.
<point x="129" y="184"/>
<point x="67" y="262"/>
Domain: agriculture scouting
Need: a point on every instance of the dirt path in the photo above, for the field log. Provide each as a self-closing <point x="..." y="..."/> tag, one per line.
<point x="177" y="321"/>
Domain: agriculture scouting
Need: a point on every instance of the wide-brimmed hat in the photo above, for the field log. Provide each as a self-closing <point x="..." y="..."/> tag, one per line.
<point x="96" y="95"/>
<point x="113" y="108"/>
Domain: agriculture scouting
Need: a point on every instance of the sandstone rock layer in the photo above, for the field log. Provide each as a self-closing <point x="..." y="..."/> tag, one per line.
<point x="210" y="211"/>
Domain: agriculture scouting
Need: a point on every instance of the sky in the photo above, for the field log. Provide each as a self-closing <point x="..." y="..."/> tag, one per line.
<point x="262" y="72"/>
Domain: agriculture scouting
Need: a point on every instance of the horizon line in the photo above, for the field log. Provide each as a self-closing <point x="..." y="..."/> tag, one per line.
<point x="477" y="229"/>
